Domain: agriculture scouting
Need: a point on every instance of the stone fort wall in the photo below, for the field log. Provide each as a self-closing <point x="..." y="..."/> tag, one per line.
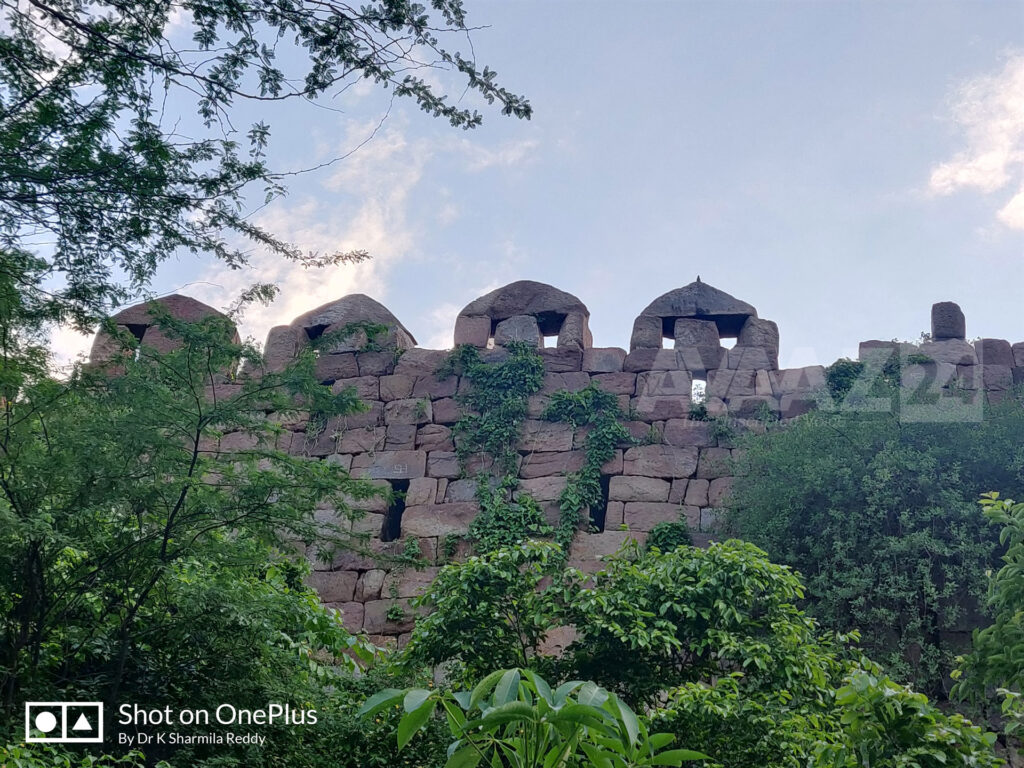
<point x="679" y="467"/>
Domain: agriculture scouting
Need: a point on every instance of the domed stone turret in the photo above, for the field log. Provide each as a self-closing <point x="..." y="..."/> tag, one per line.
<point x="525" y="311"/>
<point x="139" y="320"/>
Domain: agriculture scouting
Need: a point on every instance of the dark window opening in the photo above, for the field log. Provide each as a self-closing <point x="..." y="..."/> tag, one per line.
<point x="314" y="332"/>
<point x="392" y="528"/>
<point x="138" y="330"/>
<point x="550" y="323"/>
<point x="599" y="512"/>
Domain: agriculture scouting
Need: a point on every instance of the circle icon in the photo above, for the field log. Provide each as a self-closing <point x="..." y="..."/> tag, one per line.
<point x="46" y="722"/>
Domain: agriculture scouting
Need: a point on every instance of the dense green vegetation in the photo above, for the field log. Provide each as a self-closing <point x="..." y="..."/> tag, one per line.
<point x="881" y="519"/>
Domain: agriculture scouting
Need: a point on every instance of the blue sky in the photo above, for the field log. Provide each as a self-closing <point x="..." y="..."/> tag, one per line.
<point x="839" y="165"/>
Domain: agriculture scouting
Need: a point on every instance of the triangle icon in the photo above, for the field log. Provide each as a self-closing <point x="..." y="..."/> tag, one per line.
<point x="81" y="724"/>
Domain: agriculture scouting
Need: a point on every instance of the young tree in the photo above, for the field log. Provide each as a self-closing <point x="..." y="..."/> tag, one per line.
<point x="150" y="517"/>
<point x="118" y="143"/>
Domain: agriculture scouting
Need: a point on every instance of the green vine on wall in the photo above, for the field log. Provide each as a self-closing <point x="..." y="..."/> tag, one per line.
<point x="598" y="410"/>
<point x="495" y="407"/>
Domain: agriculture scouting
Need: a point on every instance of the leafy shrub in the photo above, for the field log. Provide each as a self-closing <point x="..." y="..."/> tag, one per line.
<point x="669" y="535"/>
<point x="880" y="518"/>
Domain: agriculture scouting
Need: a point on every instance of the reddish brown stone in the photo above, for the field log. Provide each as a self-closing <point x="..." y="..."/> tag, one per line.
<point x="633" y="488"/>
<point x="659" y="461"/>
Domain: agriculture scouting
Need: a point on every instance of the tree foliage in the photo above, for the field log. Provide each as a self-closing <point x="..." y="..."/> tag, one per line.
<point x="121" y="137"/>
<point x="149" y="519"/>
<point x="879" y="517"/>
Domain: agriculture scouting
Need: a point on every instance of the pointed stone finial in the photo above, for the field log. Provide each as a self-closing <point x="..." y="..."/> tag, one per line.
<point x="698" y="278"/>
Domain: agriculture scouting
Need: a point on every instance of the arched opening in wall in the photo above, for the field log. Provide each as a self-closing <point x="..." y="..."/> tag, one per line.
<point x="599" y="512"/>
<point x="314" y="332"/>
<point x="698" y="391"/>
<point x="392" y="527"/>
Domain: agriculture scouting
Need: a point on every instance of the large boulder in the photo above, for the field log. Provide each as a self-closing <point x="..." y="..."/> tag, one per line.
<point x="948" y="321"/>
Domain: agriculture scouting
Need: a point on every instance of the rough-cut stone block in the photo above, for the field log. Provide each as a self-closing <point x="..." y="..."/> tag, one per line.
<point x="665" y="385"/>
<point x="678" y="492"/>
<point x="408" y="582"/>
<point x="366" y="387"/>
<point x="713" y="463"/>
<point x="435" y="388"/>
<point x="651" y="409"/>
<point x="719" y="490"/>
<point x="757" y="332"/>
<point x="422" y="490"/>
<point x="281" y="348"/>
<point x="420" y="362"/>
<point x="446" y="411"/>
<point x="603" y="359"/>
<point x="922" y="378"/>
<point x="753" y="406"/>
<point x="1018" y="354"/>
<point x="647" y="333"/>
<point x="460" y="490"/>
<point x="763" y="384"/>
<point x="351" y="616"/>
<point x="794" y="380"/>
<point x="877" y="351"/>
<point x="438" y="519"/>
<point x="545" y="436"/>
<point x="373" y="416"/>
<point x="333" y="586"/>
<point x="434" y="437"/>
<point x="400" y="437"/>
<point x="551" y="464"/>
<point x="376" y="621"/>
<point x="541" y="488"/>
<point x="620" y="383"/>
<point x="996" y="377"/>
<point x="562" y="359"/>
<point x="614" y="465"/>
<point x="376" y="363"/>
<point x="396" y="387"/>
<point x="587" y="549"/>
<point x="390" y="465"/>
<point x="994" y="352"/>
<point x="791" y="406"/>
<point x="573" y="381"/>
<point x="521" y="328"/>
<point x="726" y="383"/>
<point x="948" y="321"/>
<point x="613" y="515"/>
<point x="697" y="493"/>
<point x="634" y="488"/>
<point x="340" y="460"/>
<point x="575" y="332"/>
<point x="644" y="515"/>
<point x="687" y="432"/>
<point x="369" y="585"/>
<point x="652" y="360"/>
<point x="1018" y="376"/>
<point x="412" y="411"/>
<point x="362" y="440"/>
<point x="475" y="331"/>
<point x="698" y="340"/>
<point x="952" y="351"/>
<point x="443" y="464"/>
<point x="334" y="367"/>
<point x="370" y="523"/>
<point x="536" y="405"/>
<point x="659" y="461"/>
<point x="755" y="358"/>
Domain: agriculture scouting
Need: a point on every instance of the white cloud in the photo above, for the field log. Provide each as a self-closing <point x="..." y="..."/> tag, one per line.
<point x="990" y="112"/>
<point x="506" y="155"/>
<point x="441" y="326"/>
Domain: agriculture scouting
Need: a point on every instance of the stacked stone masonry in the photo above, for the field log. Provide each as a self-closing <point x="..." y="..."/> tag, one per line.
<point x="677" y="466"/>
